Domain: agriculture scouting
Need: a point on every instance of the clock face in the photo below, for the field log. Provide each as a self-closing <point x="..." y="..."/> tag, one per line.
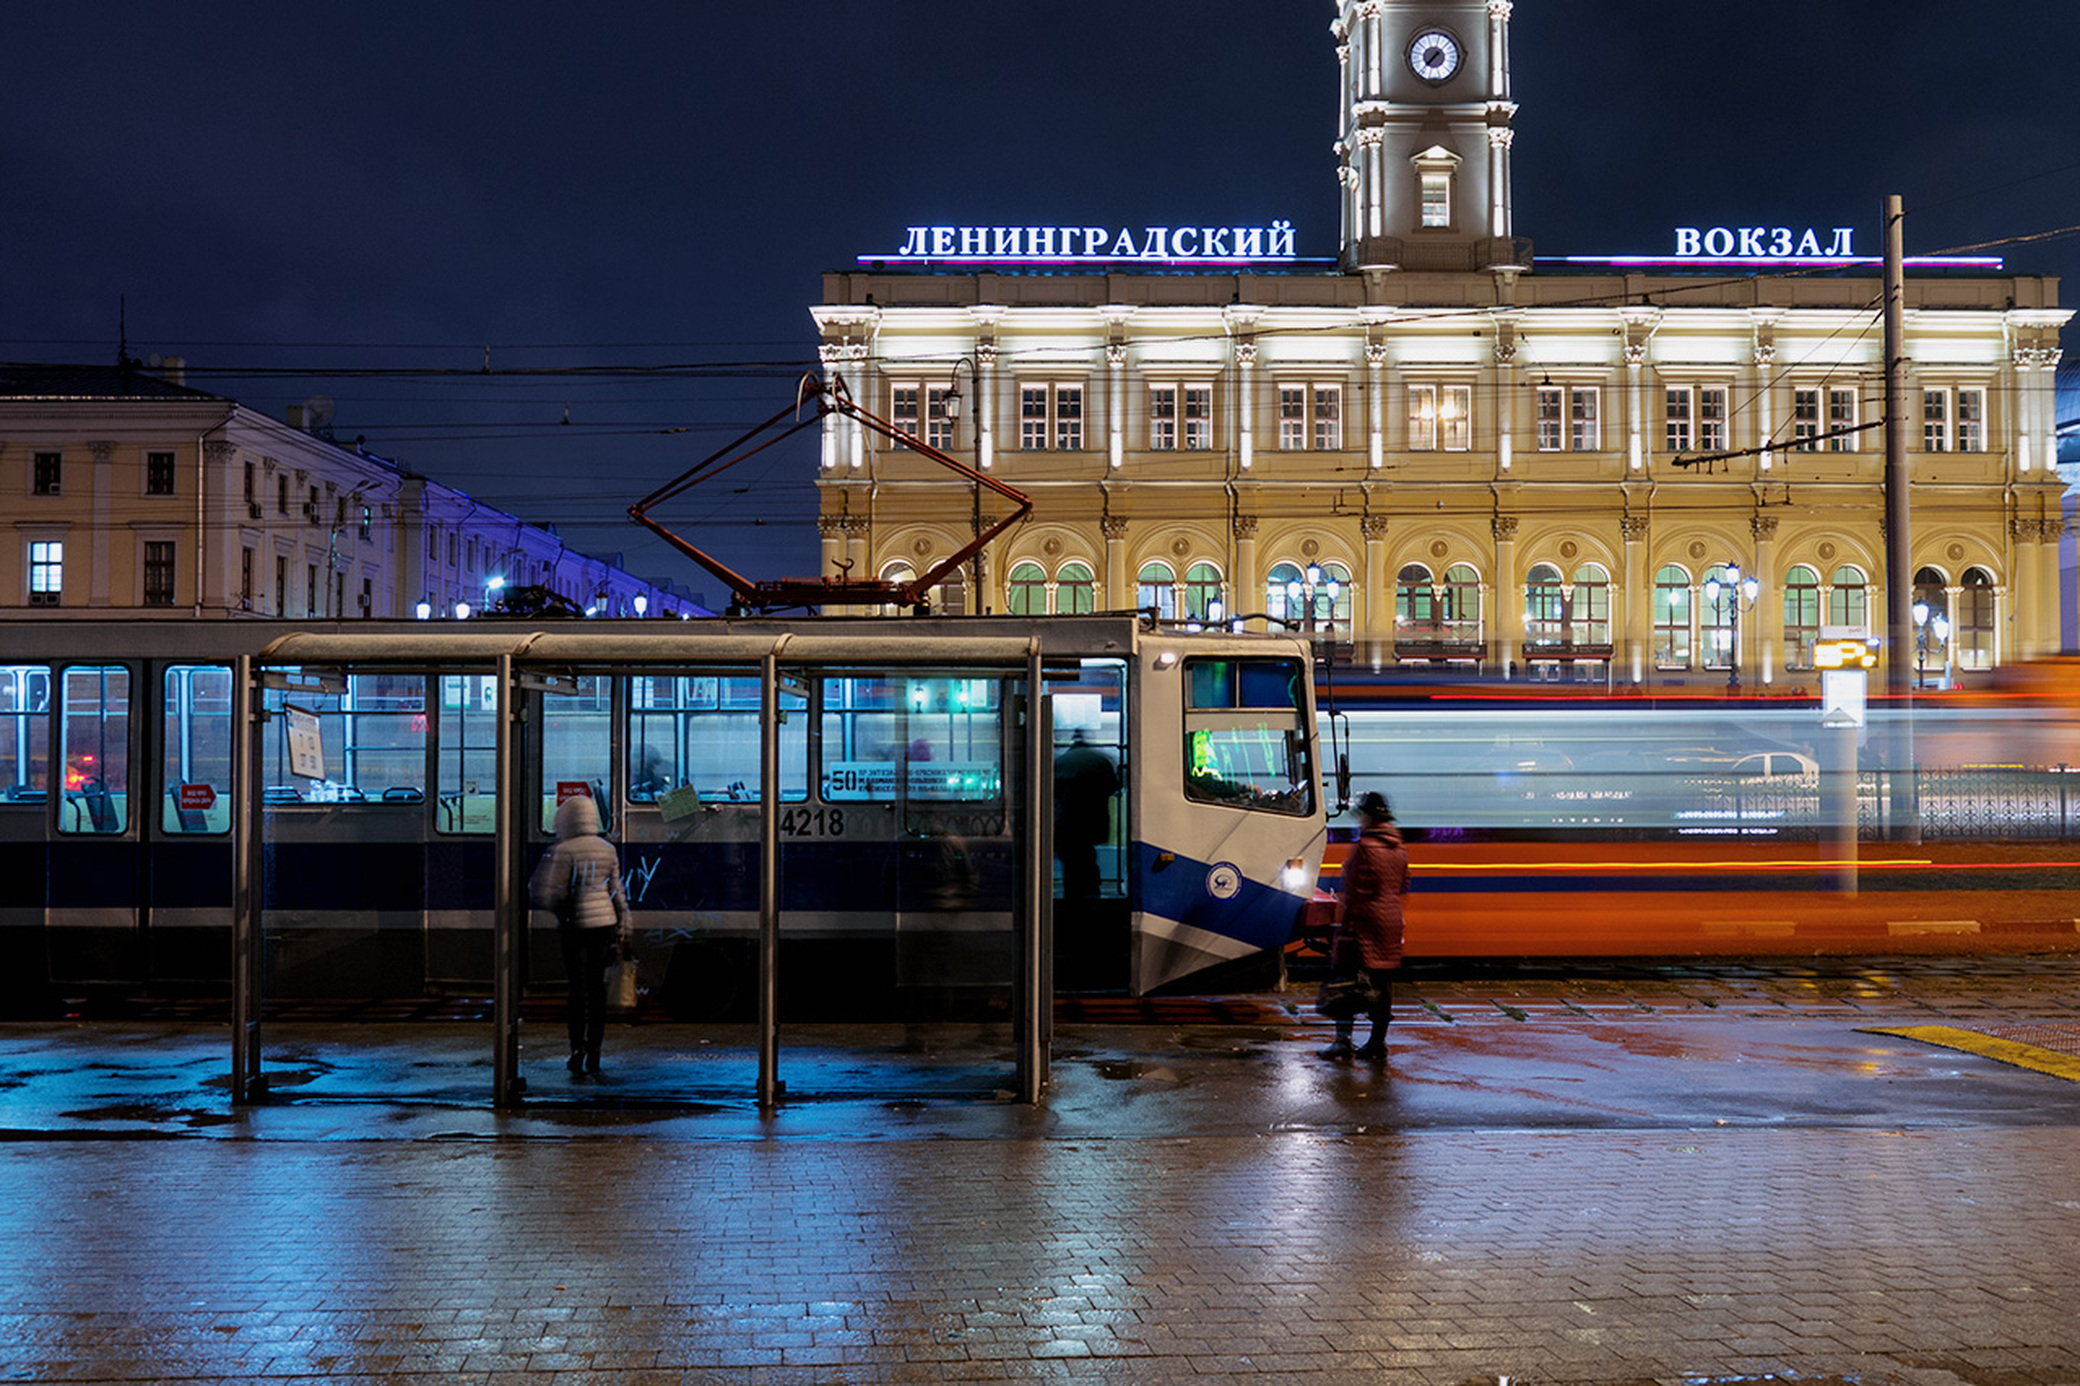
<point x="1434" y="56"/>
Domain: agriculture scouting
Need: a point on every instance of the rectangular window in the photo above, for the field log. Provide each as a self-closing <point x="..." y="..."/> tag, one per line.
<point x="1245" y="745"/>
<point x="1437" y="199"/>
<point x="373" y="739"/>
<point x="1328" y="417"/>
<point x="250" y="495"/>
<point x="1585" y="434"/>
<point x="938" y="427"/>
<point x="1440" y="416"/>
<point x="1050" y="416"/>
<point x="1841" y="416"/>
<point x="1805" y="420"/>
<point x="694" y="739"/>
<point x="196" y="767"/>
<point x="1711" y="418"/>
<point x="930" y="738"/>
<point x="1676" y="432"/>
<point x="158" y="473"/>
<point x="1935" y="421"/>
<point x="1551" y="404"/>
<point x="1292" y="417"/>
<point x="25" y="733"/>
<point x="281" y="495"/>
<point x="245" y="579"/>
<point x="310" y="589"/>
<point x="1068" y="417"/>
<point x="1310" y="416"/>
<point x="1198" y="417"/>
<point x="1971" y="421"/>
<point x="158" y="572"/>
<point x="903" y="410"/>
<point x="94" y="748"/>
<point x="1162" y="418"/>
<point x="49" y="473"/>
<point x="281" y="585"/>
<point x="46" y="572"/>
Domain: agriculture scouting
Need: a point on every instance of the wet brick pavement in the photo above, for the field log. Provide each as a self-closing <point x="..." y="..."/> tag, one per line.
<point x="1200" y="1202"/>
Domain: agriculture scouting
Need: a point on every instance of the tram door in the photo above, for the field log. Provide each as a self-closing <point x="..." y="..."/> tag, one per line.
<point x="1091" y="772"/>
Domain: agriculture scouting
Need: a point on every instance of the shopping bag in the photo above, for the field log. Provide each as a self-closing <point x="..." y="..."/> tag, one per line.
<point x="621" y="985"/>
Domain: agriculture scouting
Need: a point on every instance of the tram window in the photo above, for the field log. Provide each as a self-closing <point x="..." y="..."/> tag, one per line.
<point x="466" y="761"/>
<point x="94" y="743"/>
<point x="195" y="770"/>
<point x="25" y="733"/>
<point x="939" y="738"/>
<point x="577" y="740"/>
<point x="1245" y="745"/>
<point x="700" y="732"/>
<point x="373" y="737"/>
<point x="1233" y="683"/>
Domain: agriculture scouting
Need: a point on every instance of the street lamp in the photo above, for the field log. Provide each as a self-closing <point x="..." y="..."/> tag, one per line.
<point x="951" y="406"/>
<point x="642" y="605"/>
<point x="1740" y="596"/>
<point x="1304" y="594"/>
<point x="1922" y="626"/>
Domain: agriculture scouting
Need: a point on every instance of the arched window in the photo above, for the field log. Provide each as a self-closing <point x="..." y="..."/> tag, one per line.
<point x="1972" y="627"/>
<point x="1025" y="591"/>
<point x="1075" y="589"/>
<point x="1202" y="588"/>
<point x="1156" y="590"/>
<point x="1277" y="583"/>
<point x="1459" y="604"/>
<point x="1589" y="622"/>
<point x="1848" y="602"/>
<point x="1415" y="604"/>
<point x="1338" y="608"/>
<point x="1672" y="618"/>
<point x="1545" y="606"/>
<point x="1801" y="616"/>
<point x="896" y="572"/>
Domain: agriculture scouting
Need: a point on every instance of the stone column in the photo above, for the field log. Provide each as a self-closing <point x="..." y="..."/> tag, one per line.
<point x="2028" y="584"/>
<point x="855" y="528"/>
<point x="1509" y="595"/>
<point x="1767" y="620"/>
<point x="830" y="532"/>
<point x="1375" y="366"/>
<point x="1116" y="423"/>
<point x="1245" y="589"/>
<point x="1246" y="402"/>
<point x="106" y="531"/>
<point x="1376" y="597"/>
<point x="1119" y="583"/>
<point x="1638" y="595"/>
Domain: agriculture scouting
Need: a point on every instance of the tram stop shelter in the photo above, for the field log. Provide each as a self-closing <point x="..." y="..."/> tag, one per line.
<point x="526" y="679"/>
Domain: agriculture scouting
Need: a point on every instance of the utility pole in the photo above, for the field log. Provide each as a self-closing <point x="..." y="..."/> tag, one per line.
<point x="1899" y="570"/>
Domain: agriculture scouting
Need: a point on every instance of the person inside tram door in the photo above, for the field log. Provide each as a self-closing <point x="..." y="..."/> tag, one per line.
<point x="580" y="880"/>
<point x="1084" y="783"/>
<point x="1367" y="946"/>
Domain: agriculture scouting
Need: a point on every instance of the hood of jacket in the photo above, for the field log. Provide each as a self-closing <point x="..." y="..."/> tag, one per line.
<point x="577" y="817"/>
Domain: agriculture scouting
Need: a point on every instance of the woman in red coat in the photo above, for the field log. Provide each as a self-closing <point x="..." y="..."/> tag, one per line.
<point x="1375" y="878"/>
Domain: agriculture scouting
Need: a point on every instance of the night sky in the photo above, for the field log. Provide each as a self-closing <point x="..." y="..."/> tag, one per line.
<point x="347" y="201"/>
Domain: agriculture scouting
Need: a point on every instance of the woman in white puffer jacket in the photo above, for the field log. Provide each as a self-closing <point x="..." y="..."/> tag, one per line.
<point x="580" y="879"/>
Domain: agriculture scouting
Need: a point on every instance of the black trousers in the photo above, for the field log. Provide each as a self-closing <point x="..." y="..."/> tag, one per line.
<point x="1382" y="1009"/>
<point x="586" y="953"/>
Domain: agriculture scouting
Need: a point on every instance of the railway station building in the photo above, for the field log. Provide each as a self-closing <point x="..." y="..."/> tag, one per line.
<point x="1442" y="449"/>
<point x="133" y="494"/>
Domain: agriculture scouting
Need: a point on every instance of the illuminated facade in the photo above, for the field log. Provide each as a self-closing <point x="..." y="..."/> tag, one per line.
<point x="132" y="494"/>
<point x="1550" y="468"/>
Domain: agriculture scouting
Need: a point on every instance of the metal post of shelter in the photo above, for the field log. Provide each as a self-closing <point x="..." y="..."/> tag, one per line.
<point x="248" y="1084"/>
<point x="769" y="1085"/>
<point x="1036" y="980"/>
<point x="508" y="912"/>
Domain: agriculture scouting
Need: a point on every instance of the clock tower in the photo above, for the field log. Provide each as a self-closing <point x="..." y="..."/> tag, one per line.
<point x="1425" y="138"/>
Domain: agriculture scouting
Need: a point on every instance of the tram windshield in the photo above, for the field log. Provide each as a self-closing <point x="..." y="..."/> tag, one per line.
<point x="1246" y="741"/>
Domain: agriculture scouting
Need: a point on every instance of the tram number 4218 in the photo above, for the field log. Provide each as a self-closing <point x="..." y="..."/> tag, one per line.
<point x="821" y="822"/>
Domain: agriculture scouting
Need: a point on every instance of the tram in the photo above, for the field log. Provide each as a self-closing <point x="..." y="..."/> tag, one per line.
<point x="1550" y="822"/>
<point x="901" y="802"/>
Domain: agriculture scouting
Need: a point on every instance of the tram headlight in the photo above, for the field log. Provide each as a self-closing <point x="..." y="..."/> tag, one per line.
<point x="1295" y="877"/>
